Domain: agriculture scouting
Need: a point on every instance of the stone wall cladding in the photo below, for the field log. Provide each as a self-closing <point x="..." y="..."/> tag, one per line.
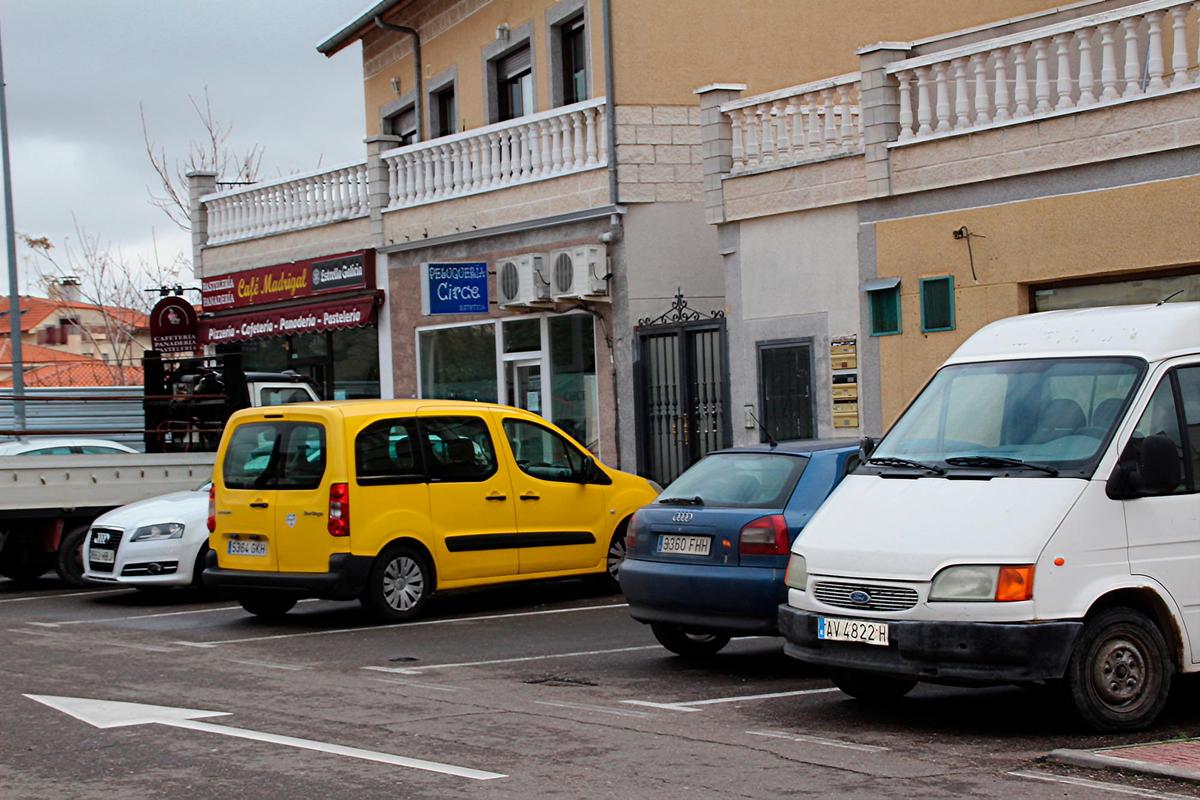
<point x="659" y="154"/>
<point x="804" y="186"/>
<point x="1148" y="125"/>
<point x="383" y="48"/>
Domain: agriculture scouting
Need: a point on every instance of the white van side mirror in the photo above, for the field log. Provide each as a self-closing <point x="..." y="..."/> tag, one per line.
<point x="1147" y="467"/>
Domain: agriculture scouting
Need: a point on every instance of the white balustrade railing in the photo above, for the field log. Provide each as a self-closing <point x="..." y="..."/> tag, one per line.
<point x="1093" y="61"/>
<point x="291" y="203"/>
<point x="801" y="123"/>
<point x="531" y="148"/>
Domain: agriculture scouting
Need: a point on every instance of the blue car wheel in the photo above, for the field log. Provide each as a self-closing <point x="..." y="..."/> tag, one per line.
<point x="688" y="644"/>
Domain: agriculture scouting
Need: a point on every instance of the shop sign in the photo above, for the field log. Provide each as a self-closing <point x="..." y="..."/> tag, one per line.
<point x="173" y="326"/>
<point x="305" y="278"/>
<point x="454" y="287"/>
<point x="311" y="318"/>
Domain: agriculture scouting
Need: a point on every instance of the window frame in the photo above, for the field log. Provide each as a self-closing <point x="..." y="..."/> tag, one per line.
<point x="495" y="52"/>
<point x="560" y="20"/>
<point x="427" y="450"/>
<point x="764" y="415"/>
<point x="391" y="114"/>
<point x="422" y="473"/>
<point x="435" y="90"/>
<point x="282" y="442"/>
<point x="874" y="330"/>
<point x="567" y="443"/>
<point x="952" y="314"/>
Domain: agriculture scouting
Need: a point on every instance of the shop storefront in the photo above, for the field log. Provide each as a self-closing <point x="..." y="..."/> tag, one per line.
<point x="316" y="317"/>
<point x="545" y="363"/>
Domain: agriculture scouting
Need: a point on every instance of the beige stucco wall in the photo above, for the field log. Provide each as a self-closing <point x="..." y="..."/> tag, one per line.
<point x="663" y="50"/>
<point x="1144" y="227"/>
<point x="453" y="34"/>
<point x="805" y="186"/>
<point x="265" y="251"/>
<point x="528" y="201"/>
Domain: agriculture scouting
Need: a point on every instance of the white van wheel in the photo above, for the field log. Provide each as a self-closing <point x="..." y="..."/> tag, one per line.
<point x="399" y="585"/>
<point x="1120" y="673"/>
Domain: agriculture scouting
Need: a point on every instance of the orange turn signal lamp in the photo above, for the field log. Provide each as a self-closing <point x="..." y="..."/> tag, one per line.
<point x="1014" y="584"/>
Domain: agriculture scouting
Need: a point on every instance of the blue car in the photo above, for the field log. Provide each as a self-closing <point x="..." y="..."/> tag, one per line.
<point x="706" y="561"/>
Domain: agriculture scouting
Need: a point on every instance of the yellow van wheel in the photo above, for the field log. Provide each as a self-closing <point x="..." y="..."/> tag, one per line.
<point x="399" y="585"/>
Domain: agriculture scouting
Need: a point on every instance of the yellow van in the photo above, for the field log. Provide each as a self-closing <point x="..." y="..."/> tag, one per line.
<point x="388" y="501"/>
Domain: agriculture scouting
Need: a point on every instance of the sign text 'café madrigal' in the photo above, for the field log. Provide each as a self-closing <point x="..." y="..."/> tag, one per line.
<point x="283" y="282"/>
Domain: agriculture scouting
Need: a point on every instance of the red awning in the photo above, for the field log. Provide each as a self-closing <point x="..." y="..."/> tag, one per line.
<point x="325" y="315"/>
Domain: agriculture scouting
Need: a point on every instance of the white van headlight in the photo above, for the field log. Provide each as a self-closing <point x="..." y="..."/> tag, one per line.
<point x="983" y="582"/>
<point x="154" y="533"/>
<point x="796" y="576"/>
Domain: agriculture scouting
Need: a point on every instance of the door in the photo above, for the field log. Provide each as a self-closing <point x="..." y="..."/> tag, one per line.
<point x="1164" y="530"/>
<point x="525" y="384"/>
<point x="301" y="507"/>
<point x="471" y="501"/>
<point x="560" y="520"/>
<point x="683" y="396"/>
<point x="245" y="534"/>
<point x="785" y="390"/>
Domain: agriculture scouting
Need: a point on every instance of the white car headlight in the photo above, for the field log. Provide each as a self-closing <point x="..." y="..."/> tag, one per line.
<point x="154" y="533"/>
<point x="796" y="576"/>
<point x="1001" y="583"/>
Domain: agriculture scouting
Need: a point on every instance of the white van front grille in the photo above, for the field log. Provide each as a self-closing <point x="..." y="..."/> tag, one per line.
<point x="865" y="596"/>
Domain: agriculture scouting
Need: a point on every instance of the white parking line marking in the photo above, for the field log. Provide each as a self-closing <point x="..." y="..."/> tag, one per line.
<point x="689" y="705"/>
<point x="266" y="664"/>
<point x="433" y="686"/>
<point x="585" y="707"/>
<point x="146" y="616"/>
<point x="795" y="737"/>
<point x="114" y="592"/>
<point x="577" y="654"/>
<point x="35" y="633"/>
<point x="149" y="648"/>
<point x="1116" y="788"/>
<point x="448" y="621"/>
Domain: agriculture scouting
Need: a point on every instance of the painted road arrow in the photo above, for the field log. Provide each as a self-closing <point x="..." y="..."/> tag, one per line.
<point x="113" y="714"/>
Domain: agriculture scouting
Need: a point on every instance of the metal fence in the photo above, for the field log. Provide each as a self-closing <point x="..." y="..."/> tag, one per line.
<point x="89" y="411"/>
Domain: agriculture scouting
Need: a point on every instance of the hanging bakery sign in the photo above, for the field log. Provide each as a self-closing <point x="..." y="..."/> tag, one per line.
<point x="173" y="326"/>
<point x="282" y="282"/>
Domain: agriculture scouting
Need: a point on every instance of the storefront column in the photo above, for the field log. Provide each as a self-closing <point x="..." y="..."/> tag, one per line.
<point x="200" y="183"/>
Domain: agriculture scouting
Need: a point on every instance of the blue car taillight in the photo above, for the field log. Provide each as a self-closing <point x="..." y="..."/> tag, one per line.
<point x="631" y="534"/>
<point x="765" y="536"/>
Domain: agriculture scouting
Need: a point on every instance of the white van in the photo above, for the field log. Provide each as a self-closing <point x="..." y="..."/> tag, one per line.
<point x="1034" y="516"/>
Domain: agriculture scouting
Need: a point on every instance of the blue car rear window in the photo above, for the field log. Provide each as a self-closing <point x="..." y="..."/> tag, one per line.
<point x="738" y="480"/>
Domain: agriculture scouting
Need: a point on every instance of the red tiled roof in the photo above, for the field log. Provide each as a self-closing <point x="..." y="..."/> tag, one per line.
<point x="34" y="353"/>
<point x="35" y="310"/>
<point x="90" y="372"/>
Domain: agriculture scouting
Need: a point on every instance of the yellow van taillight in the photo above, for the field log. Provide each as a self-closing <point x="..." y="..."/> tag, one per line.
<point x="339" y="509"/>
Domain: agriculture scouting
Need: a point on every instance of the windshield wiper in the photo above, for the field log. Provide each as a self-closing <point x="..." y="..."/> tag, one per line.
<point x="682" y="501"/>
<point x="888" y="461"/>
<point x="997" y="461"/>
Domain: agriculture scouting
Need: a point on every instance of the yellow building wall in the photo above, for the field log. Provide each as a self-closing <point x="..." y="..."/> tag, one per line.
<point x="664" y="50"/>
<point x="1099" y="234"/>
<point x="461" y="46"/>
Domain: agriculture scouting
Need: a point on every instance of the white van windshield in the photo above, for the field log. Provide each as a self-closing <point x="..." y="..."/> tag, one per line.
<point x="1006" y="415"/>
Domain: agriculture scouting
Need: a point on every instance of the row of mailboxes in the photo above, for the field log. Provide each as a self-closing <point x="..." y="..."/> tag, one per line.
<point x="843" y="360"/>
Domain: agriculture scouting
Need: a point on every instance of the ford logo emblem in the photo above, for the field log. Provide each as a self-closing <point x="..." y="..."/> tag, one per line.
<point x="860" y="597"/>
<point x="682" y="516"/>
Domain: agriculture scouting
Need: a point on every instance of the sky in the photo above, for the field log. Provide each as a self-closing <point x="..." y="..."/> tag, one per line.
<point x="76" y="71"/>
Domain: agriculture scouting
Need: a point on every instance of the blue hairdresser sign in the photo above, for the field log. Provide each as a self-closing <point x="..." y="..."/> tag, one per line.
<point x="454" y="287"/>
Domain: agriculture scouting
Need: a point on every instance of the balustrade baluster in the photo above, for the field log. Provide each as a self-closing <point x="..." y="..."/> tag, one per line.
<point x="505" y="157"/>
<point x="737" y="151"/>
<point x="750" y="125"/>
<point x="847" y="137"/>
<point x="1041" y="81"/>
<point x="438" y="187"/>
<point x="1154" y="54"/>
<point x="962" y="101"/>
<point x="942" y="89"/>
<point x="924" y="109"/>
<point x="544" y="135"/>
<point x="395" y="180"/>
<point x="795" y="112"/>
<point x="1179" y="55"/>
<point x="577" y="123"/>
<point x="1001" y="87"/>
<point x="765" y="134"/>
<point x="1063" y="86"/>
<point x="1021" y="79"/>
<point x="602" y="135"/>
<point x="556" y="143"/>
<point x="410" y="179"/>
<point x="1108" y="62"/>
<point x="464" y="158"/>
<point x="829" y="134"/>
<point x="1133" y="66"/>
<point x="814" y="123"/>
<point x="983" y="103"/>
<point x="782" y="140"/>
<point x="590" y="142"/>
<point x="535" y="149"/>
<point x="906" y="112"/>
<point x="476" y="176"/>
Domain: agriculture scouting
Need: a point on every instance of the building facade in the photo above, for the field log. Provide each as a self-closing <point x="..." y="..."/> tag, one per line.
<point x="537" y="196"/>
<point x="872" y="221"/>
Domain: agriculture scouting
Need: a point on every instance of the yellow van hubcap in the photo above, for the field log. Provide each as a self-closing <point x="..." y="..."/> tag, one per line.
<point x="403" y="583"/>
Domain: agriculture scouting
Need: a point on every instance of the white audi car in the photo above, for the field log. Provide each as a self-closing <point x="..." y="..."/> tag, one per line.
<point x="157" y="542"/>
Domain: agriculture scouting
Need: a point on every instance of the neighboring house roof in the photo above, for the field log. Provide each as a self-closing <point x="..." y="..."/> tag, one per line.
<point x="88" y="372"/>
<point x="36" y="310"/>
<point x="352" y="30"/>
<point x="33" y="354"/>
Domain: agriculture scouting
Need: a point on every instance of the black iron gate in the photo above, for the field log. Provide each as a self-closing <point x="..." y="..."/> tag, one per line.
<point x="683" y="393"/>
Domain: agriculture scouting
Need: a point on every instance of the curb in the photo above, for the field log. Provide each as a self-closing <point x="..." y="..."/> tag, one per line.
<point x="1092" y="760"/>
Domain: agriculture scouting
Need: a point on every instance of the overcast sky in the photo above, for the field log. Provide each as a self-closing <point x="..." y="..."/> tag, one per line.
<point x="77" y="69"/>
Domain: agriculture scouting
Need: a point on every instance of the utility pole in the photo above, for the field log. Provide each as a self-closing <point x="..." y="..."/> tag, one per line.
<point x="10" y="241"/>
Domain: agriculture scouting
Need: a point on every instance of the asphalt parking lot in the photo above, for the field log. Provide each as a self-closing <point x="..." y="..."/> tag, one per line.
<point x="546" y="690"/>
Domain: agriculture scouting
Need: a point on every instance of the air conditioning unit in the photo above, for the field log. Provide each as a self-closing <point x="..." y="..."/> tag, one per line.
<point x="523" y="281"/>
<point x="580" y="272"/>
